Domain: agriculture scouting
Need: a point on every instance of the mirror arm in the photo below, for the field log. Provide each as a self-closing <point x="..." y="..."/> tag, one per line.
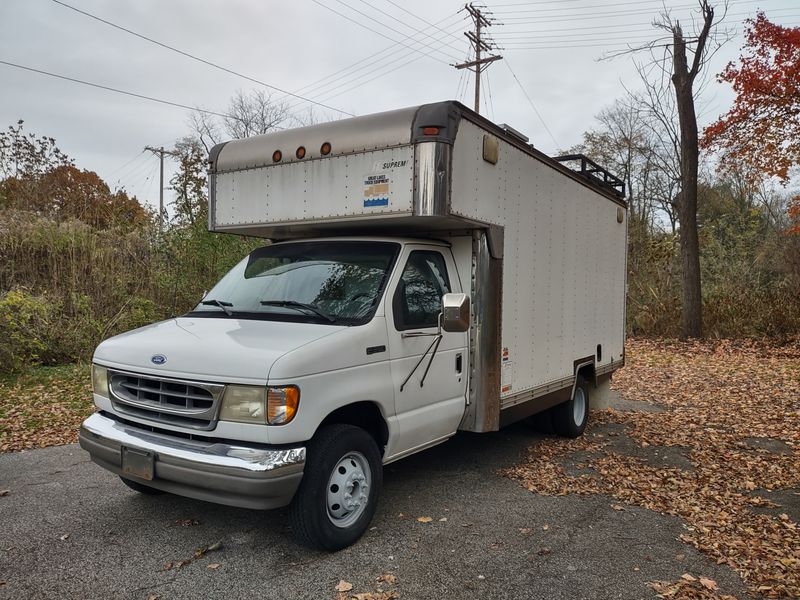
<point x="433" y="345"/>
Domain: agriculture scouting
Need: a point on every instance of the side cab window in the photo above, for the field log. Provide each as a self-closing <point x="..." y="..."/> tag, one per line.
<point x="417" y="300"/>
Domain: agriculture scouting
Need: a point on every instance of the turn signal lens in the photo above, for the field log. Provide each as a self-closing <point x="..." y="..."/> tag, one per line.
<point x="277" y="156"/>
<point x="325" y="149"/>
<point x="301" y="152"/>
<point x="282" y="404"/>
<point x="430" y="131"/>
<point x="100" y="380"/>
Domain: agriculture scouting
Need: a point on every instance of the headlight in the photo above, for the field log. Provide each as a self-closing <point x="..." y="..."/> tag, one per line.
<point x="244" y="404"/>
<point x="100" y="380"/>
<point x="251" y="404"/>
<point x="282" y="404"/>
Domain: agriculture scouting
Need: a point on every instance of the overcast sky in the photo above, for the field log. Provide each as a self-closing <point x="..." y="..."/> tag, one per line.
<point x="373" y="55"/>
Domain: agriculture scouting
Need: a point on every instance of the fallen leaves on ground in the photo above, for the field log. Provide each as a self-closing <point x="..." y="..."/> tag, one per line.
<point x="686" y="589"/>
<point x="187" y="522"/>
<point x="424" y="519"/>
<point x="198" y="554"/>
<point x="44" y="407"/>
<point x="387" y="578"/>
<point x="203" y="550"/>
<point x="734" y="409"/>
<point x="345" y="591"/>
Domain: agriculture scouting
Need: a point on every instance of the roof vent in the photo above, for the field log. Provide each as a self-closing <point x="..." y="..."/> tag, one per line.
<point x="513" y="132"/>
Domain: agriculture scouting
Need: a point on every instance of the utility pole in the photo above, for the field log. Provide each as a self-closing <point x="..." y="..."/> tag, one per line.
<point x="160" y="152"/>
<point x="478" y="44"/>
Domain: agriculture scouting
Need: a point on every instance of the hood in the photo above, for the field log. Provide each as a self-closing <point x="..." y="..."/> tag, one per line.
<point x="209" y="349"/>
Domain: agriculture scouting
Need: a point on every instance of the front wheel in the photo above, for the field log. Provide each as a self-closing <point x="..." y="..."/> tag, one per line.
<point x="339" y="491"/>
<point x="570" y="417"/>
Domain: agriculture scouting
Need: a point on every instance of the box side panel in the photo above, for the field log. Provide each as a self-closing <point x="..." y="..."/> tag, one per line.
<point x="359" y="185"/>
<point x="563" y="263"/>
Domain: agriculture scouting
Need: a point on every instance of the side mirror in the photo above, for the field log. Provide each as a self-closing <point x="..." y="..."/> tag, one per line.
<point x="455" y="313"/>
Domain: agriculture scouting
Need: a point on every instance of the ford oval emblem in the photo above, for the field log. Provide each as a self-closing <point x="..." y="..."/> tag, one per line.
<point x="158" y="359"/>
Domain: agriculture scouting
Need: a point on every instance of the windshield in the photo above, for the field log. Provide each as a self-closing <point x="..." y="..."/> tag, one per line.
<point x="319" y="282"/>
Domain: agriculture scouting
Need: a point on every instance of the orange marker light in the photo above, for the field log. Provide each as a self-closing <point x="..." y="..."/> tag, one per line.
<point x="430" y="131"/>
<point x="325" y="149"/>
<point x="277" y="156"/>
<point x="301" y="152"/>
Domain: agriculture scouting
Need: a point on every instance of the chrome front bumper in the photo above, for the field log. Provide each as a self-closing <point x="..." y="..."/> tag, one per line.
<point x="247" y="476"/>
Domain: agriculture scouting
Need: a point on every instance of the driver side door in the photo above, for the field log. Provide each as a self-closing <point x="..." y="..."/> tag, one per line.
<point x="429" y="376"/>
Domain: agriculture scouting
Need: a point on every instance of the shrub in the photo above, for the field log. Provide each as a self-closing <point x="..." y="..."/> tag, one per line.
<point x="25" y="323"/>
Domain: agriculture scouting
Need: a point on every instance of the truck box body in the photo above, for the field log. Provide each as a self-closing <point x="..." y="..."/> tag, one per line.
<point x="541" y="248"/>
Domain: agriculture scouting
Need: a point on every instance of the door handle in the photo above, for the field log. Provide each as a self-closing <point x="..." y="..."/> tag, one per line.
<point x="459" y="361"/>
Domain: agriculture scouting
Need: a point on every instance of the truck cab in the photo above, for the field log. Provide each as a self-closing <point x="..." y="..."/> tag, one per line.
<point x="368" y="328"/>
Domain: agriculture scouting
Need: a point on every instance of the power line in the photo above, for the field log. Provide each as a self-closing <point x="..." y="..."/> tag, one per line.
<point x="383" y="35"/>
<point x="370" y="67"/>
<point x="411" y="27"/>
<point x="405" y="10"/>
<point x="560" y="39"/>
<point x="599" y="16"/>
<point x="116" y="90"/>
<point x="197" y="58"/>
<point x="479" y="44"/>
<point x="538" y="4"/>
<point x="372" y="75"/>
<point x="536" y="110"/>
<point x="373" y="59"/>
<point x="571" y="11"/>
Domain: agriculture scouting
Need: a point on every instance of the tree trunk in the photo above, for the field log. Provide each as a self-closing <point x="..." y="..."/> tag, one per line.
<point x="683" y="79"/>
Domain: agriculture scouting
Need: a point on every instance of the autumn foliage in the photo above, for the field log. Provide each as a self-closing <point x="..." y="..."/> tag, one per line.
<point x="763" y="126"/>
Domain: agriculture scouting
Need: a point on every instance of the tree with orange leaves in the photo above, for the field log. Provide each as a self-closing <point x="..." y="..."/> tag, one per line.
<point x="763" y="126"/>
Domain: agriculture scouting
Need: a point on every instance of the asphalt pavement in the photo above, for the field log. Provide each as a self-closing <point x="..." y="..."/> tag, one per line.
<point x="69" y="529"/>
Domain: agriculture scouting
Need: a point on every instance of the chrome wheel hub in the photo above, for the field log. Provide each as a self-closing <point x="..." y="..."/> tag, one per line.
<point x="348" y="489"/>
<point x="579" y="406"/>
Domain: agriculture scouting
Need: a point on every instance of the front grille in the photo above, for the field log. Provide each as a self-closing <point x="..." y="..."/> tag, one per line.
<point x="177" y="402"/>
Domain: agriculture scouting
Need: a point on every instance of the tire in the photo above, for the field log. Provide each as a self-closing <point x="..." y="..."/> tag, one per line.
<point x="570" y="417"/>
<point x="340" y="459"/>
<point x="140" y="487"/>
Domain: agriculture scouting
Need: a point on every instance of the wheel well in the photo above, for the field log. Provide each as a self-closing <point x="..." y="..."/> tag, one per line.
<point x="588" y="373"/>
<point x="365" y="415"/>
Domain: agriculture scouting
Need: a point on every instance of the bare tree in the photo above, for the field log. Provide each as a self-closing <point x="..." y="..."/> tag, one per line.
<point x="679" y="59"/>
<point x="247" y="114"/>
<point x="684" y="75"/>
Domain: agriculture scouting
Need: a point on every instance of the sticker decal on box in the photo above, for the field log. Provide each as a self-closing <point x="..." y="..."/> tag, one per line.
<point x="506" y="377"/>
<point x="376" y="190"/>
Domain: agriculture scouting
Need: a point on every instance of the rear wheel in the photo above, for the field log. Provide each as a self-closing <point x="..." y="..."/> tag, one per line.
<point x="570" y="417"/>
<point x="140" y="487"/>
<point x="339" y="491"/>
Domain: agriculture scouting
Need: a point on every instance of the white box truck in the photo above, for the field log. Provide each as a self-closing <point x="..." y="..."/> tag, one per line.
<point x="428" y="272"/>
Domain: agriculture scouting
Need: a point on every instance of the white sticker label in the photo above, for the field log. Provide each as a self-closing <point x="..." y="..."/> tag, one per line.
<point x="506" y="377"/>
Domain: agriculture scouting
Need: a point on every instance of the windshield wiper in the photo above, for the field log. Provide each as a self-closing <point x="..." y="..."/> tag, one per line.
<point x="221" y="304"/>
<point x="299" y="306"/>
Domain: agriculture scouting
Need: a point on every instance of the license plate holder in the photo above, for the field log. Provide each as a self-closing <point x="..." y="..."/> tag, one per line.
<point x="138" y="463"/>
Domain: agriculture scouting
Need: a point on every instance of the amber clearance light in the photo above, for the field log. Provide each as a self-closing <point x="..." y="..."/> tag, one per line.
<point x="325" y="149"/>
<point x="277" y="156"/>
<point x="301" y="152"/>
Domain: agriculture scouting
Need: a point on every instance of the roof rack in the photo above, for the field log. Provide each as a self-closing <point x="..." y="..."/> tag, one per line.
<point x="594" y="172"/>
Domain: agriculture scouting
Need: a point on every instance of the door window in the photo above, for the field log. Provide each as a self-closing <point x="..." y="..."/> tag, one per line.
<point x="418" y="299"/>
